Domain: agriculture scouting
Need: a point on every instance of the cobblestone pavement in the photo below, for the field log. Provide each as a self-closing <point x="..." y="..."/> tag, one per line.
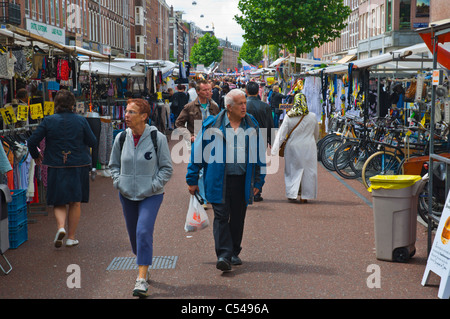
<point x="324" y="249"/>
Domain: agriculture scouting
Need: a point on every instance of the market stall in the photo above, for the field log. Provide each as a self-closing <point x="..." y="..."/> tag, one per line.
<point x="32" y="70"/>
<point x="437" y="40"/>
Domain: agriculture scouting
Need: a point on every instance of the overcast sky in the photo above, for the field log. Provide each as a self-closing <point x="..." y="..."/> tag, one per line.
<point x="219" y="13"/>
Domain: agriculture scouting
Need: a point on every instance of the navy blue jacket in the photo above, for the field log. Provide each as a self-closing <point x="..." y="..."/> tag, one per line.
<point x="68" y="137"/>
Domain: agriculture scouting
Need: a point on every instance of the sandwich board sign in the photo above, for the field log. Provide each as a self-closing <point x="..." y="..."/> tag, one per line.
<point x="439" y="258"/>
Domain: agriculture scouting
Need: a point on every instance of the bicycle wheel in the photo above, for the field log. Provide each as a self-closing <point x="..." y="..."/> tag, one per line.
<point x="436" y="207"/>
<point x="360" y="156"/>
<point x="343" y="158"/>
<point x="380" y="163"/>
<point x="328" y="150"/>
<point x="400" y="167"/>
<point x="322" y="141"/>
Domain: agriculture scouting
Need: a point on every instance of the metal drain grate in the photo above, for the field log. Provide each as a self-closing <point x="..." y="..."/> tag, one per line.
<point x="129" y="263"/>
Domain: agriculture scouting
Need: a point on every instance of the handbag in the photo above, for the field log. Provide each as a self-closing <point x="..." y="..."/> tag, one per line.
<point x="283" y="145"/>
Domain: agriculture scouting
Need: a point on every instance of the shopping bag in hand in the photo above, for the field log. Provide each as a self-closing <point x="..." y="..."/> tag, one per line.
<point x="196" y="218"/>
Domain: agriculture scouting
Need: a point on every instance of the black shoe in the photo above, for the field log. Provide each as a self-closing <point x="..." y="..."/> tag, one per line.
<point x="235" y="261"/>
<point x="223" y="264"/>
<point x="257" y="198"/>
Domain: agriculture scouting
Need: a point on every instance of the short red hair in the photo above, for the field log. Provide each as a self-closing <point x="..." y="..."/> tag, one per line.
<point x="142" y="105"/>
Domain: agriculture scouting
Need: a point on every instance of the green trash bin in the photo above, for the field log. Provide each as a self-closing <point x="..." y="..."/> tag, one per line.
<point x="395" y="200"/>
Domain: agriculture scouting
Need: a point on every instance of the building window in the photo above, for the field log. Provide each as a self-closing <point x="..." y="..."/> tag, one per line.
<point x="140" y="44"/>
<point x="40" y="10"/>
<point x="52" y="12"/>
<point x="27" y="8"/>
<point x="57" y="12"/>
<point x="139" y="18"/>
<point x="389" y="15"/>
<point x="405" y="14"/>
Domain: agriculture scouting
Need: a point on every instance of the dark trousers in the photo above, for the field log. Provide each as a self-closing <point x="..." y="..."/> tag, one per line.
<point x="96" y="126"/>
<point x="228" y="226"/>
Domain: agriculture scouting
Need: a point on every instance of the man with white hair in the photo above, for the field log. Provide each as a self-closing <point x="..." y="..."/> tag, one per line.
<point x="232" y="162"/>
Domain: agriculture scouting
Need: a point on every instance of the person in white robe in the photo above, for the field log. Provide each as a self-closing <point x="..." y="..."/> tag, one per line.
<point x="300" y="170"/>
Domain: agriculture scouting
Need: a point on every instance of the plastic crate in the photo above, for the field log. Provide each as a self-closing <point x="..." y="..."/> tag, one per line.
<point x="18" y="235"/>
<point x="19" y="199"/>
<point x="16" y="217"/>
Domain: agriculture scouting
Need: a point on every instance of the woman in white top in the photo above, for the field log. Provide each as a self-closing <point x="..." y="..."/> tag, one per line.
<point x="300" y="170"/>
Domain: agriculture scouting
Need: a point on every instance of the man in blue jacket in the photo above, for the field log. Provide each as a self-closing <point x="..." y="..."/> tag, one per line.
<point x="231" y="151"/>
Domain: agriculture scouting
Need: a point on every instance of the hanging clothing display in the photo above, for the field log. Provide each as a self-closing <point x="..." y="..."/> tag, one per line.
<point x="184" y="70"/>
<point x="106" y="141"/>
<point x="312" y="90"/>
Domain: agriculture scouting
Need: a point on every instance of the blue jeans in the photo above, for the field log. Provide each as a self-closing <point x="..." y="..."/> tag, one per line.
<point x="276" y="119"/>
<point x="140" y="217"/>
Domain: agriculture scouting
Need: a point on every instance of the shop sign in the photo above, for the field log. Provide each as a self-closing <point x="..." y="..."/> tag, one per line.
<point x="439" y="258"/>
<point x="437" y="78"/>
<point x="22" y="112"/>
<point x="47" y="31"/>
<point x="79" y="109"/>
<point x="106" y="49"/>
<point x="36" y="111"/>
<point x="49" y="108"/>
<point x="8" y="115"/>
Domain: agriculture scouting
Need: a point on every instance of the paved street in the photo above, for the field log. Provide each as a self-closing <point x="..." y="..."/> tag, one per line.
<point x="321" y="249"/>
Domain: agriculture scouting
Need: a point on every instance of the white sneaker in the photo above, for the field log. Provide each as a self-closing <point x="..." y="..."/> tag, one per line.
<point x="71" y="242"/>
<point x="59" y="236"/>
<point x="140" y="288"/>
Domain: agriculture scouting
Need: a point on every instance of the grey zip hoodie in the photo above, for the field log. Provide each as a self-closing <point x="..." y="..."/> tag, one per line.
<point x="138" y="172"/>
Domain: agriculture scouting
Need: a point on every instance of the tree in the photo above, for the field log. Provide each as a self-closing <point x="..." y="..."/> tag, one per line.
<point x="206" y="51"/>
<point x="250" y="54"/>
<point x="301" y="24"/>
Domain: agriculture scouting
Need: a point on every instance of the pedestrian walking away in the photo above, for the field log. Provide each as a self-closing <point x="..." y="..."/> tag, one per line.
<point x="275" y="100"/>
<point x="233" y="178"/>
<point x="140" y="167"/>
<point x="262" y="112"/>
<point x="216" y="92"/>
<point x="179" y="100"/>
<point x="223" y="93"/>
<point x="300" y="169"/>
<point x="68" y="137"/>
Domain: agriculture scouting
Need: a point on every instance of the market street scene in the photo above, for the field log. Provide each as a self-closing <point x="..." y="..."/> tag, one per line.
<point x="225" y="156"/>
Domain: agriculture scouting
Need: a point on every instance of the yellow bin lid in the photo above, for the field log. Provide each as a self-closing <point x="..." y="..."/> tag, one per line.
<point x="393" y="181"/>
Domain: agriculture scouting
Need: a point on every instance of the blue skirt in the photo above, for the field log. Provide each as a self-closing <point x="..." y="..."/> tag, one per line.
<point x="67" y="185"/>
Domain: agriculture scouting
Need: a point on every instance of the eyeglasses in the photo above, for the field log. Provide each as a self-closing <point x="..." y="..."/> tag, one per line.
<point x="131" y="112"/>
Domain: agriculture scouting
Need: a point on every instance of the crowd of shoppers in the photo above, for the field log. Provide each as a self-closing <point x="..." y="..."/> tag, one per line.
<point x="141" y="165"/>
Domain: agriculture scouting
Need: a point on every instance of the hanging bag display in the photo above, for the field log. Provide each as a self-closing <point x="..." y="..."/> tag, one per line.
<point x="196" y="217"/>
<point x="283" y="145"/>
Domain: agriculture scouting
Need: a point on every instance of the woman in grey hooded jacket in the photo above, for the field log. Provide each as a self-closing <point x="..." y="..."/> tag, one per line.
<point x="139" y="170"/>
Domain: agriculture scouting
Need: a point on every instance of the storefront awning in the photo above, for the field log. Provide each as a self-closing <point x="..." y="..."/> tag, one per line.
<point x="34" y="37"/>
<point x="12" y="35"/>
<point x="82" y="51"/>
<point x="277" y="61"/>
<point x="108" y="69"/>
<point x="298" y="61"/>
<point x="28" y="36"/>
<point x="305" y="61"/>
<point x="440" y="30"/>
<point x="394" y="56"/>
<point x="347" y="59"/>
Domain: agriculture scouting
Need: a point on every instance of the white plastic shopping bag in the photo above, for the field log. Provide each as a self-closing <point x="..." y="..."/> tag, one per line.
<point x="196" y="218"/>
